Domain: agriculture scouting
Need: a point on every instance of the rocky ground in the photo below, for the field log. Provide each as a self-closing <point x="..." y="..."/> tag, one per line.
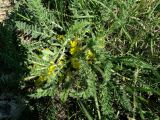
<point x="5" y="6"/>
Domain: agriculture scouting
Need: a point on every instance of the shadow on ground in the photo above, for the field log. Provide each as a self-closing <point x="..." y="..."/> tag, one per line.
<point x="13" y="68"/>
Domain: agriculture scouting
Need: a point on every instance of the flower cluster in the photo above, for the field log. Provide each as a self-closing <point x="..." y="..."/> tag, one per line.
<point x="89" y="56"/>
<point x="60" y="37"/>
<point x="64" y="61"/>
<point x="74" y="46"/>
<point x="51" y="68"/>
<point x="75" y="63"/>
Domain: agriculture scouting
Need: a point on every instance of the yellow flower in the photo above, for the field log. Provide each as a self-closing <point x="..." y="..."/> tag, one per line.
<point x="61" y="62"/>
<point x="74" y="43"/>
<point x="89" y="54"/>
<point x="73" y="50"/>
<point x="60" y="37"/>
<point x="47" y="48"/>
<point x="74" y="46"/>
<point x="40" y="80"/>
<point x="75" y="63"/>
<point x="51" y="69"/>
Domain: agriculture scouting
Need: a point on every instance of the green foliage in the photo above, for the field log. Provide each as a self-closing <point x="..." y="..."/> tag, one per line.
<point x="102" y="51"/>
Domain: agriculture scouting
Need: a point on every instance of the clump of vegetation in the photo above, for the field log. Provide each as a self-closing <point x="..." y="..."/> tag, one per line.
<point x="95" y="59"/>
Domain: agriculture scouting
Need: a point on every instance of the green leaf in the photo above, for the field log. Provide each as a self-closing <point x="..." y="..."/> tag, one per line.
<point x="135" y="62"/>
<point x="47" y="52"/>
<point x="107" y="71"/>
<point x="85" y="111"/>
<point x="64" y="95"/>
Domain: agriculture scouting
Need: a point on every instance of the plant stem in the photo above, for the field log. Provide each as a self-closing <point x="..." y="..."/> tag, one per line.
<point x="97" y="106"/>
<point x="134" y="93"/>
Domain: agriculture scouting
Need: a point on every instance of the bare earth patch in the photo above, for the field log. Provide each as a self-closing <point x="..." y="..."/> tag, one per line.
<point x="5" y="6"/>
